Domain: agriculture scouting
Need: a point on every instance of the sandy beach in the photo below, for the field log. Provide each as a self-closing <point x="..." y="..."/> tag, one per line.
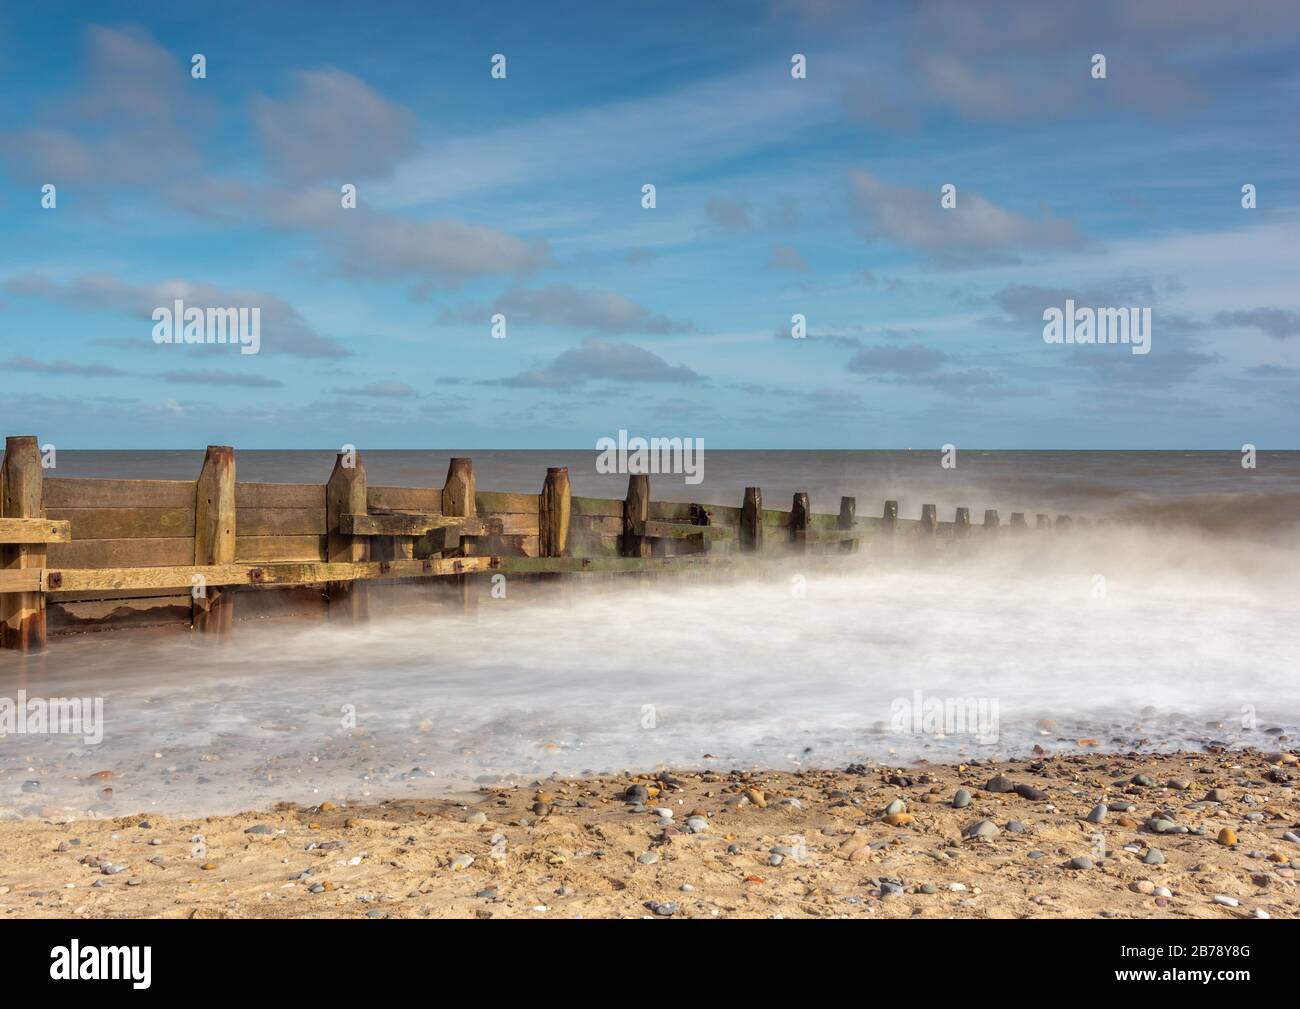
<point x="1187" y="835"/>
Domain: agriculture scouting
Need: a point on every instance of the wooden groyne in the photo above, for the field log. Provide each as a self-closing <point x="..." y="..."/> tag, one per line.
<point x="82" y="554"/>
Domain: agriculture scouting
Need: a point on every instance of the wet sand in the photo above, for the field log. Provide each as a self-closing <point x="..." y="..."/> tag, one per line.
<point x="776" y="844"/>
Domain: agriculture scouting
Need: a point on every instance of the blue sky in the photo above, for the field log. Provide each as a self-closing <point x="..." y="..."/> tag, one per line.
<point x="775" y="196"/>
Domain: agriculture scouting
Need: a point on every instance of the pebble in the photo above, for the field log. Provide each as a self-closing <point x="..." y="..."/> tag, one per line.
<point x="1098" y="813"/>
<point x="257" y="828"/>
<point x="1081" y="862"/>
<point x="897" y="806"/>
<point x="1227" y="836"/>
<point x="697" y="824"/>
<point x="636" y="793"/>
<point x="1216" y="795"/>
<point x="733" y="849"/>
<point x="1159" y="825"/>
<point x="461" y="862"/>
<point x="775" y="859"/>
<point x="1031" y="793"/>
<point x="1291" y="836"/>
<point x="1162" y="891"/>
<point x="961" y="799"/>
<point x="477" y="816"/>
<point x="980" y="828"/>
<point x="1015" y="826"/>
<point x="999" y="783"/>
<point x="649" y="858"/>
<point x="666" y="908"/>
<point x="1143" y="886"/>
<point x="1144" y="780"/>
<point x="1154" y="856"/>
<point x="1226" y="901"/>
<point x="756" y="797"/>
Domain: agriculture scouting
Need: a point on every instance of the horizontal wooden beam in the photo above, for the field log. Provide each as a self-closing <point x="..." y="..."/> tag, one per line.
<point x="662" y="529"/>
<point x="291" y="573"/>
<point x="35" y="531"/>
<point x="413" y="524"/>
<point x="20" y="580"/>
<point x="598" y="565"/>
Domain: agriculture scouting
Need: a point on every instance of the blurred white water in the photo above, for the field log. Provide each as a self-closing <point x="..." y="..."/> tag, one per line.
<point x="1193" y="638"/>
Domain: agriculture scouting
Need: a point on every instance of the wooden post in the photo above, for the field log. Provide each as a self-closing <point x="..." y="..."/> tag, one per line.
<point x="1042" y="521"/>
<point x="458" y="499"/>
<point x="848" y="515"/>
<point x="751" y="521"/>
<point x="961" y="523"/>
<point x="1064" y="523"/>
<point x="553" y="513"/>
<point x="22" y="614"/>
<point x="889" y="518"/>
<point x="636" y="508"/>
<point x="929" y="519"/>
<point x="800" y="513"/>
<point x="458" y="492"/>
<point x="991" y="521"/>
<point x="214" y="539"/>
<point x="345" y="494"/>
<point x="1018" y="520"/>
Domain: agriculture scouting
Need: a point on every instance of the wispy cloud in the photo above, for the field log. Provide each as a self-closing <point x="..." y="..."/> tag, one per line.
<point x="596" y="359"/>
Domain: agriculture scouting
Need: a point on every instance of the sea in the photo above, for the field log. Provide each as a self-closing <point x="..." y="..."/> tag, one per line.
<point x="1170" y="622"/>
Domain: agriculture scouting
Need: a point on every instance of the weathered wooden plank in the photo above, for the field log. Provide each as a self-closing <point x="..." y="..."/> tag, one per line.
<point x="514" y="523"/>
<point x="279" y="495"/>
<point x="596" y="506"/>
<point x="83" y="492"/>
<point x="660" y="529"/>
<point x="34" y="530"/>
<point x="589" y="544"/>
<point x="415" y="524"/>
<point x="290" y="573"/>
<point x="280" y="548"/>
<point x="596" y="565"/>
<point x="501" y="503"/>
<point x="141" y="552"/>
<point x="281" y="521"/>
<point x="70" y="616"/>
<point x="407" y="499"/>
<point x="606" y="525"/>
<point x="20" y="580"/>
<point x="672" y="511"/>
<point x="126" y="523"/>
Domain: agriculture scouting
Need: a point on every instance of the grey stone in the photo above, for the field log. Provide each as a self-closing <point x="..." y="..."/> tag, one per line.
<point x="979" y="829"/>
